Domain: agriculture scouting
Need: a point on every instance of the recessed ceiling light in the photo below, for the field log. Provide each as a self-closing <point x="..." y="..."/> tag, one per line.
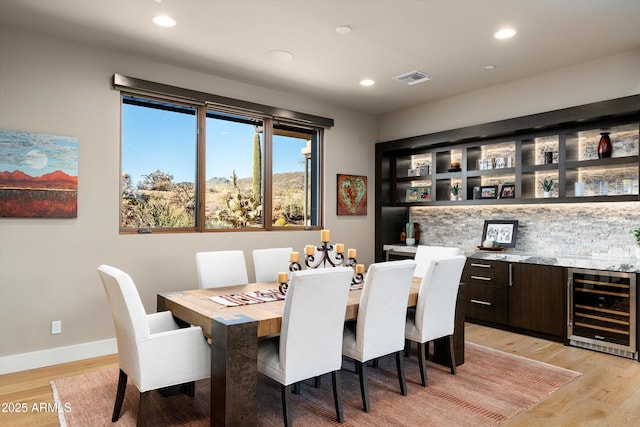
<point x="343" y="29"/>
<point x="164" y="21"/>
<point x="489" y="67"/>
<point x="505" y="33"/>
<point x="280" y="55"/>
<point x="367" y="82"/>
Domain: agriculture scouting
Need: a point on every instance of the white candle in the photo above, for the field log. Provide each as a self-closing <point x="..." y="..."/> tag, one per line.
<point x="339" y="248"/>
<point x="294" y="256"/>
<point x="351" y="253"/>
<point x="324" y="235"/>
<point x="283" y="277"/>
<point x="359" y="268"/>
<point x="308" y="250"/>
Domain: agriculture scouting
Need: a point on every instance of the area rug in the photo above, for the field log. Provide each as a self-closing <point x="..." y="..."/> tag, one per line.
<point x="490" y="388"/>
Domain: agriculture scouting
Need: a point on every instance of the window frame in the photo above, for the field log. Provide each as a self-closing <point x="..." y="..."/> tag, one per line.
<point x="291" y="120"/>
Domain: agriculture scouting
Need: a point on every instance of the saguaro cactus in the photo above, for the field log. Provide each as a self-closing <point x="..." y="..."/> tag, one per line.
<point x="257" y="168"/>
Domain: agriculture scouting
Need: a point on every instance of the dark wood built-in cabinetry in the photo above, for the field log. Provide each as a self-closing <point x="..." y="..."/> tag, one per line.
<point x="528" y="298"/>
<point x="537" y="299"/>
<point x="486" y="287"/>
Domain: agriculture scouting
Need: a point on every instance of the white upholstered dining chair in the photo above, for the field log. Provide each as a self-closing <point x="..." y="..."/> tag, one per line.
<point x="434" y="316"/>
<point x="267" y="263"/>
<point x="380" y="325"/>
<point x="152" y="349"/>
<point x="424" y="255"/>
<point x="310" y="340"/>
<point x="221" y="268"/>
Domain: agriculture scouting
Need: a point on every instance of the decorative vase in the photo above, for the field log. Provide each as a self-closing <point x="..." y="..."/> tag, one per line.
<point x="410" y="241"/>
<point x="548" y="194"/>
<point x="453" y="198"/>
<point x="604" y="146"/>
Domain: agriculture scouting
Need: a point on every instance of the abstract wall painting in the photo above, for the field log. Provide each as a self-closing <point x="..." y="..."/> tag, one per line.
<point x="352" y="194"/>
<point x="38" y="175"/>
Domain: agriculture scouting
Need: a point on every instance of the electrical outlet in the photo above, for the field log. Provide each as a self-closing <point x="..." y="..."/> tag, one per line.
<point x="56" y="327"/>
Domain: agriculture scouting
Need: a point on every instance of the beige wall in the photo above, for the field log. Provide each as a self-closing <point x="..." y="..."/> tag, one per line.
<point x="611" y="77"/>
<point x="48" y="266"/>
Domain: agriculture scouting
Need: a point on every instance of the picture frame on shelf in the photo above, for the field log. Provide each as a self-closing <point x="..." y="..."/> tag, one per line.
<point x="418" y="194"/>
<point x="508" y="191"/>
<point x="489" y="192"/>
<point x="502" y="231"/>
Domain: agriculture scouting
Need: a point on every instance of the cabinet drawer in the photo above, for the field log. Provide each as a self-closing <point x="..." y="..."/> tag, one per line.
<point x="494" y="273"/>
<point x="488" y="303"/>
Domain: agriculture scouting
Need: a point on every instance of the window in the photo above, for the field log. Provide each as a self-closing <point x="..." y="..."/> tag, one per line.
<point x="233" y="171"/>
<point x="295" y="172"/>
<point x="158" y="166"/>
<point x="193" y="167"/>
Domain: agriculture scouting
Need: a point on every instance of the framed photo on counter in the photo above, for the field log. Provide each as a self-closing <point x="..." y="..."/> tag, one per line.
<point x="502" y="231"/>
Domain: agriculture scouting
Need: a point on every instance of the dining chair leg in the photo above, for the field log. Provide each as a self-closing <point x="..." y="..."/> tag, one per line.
<point x="452" y="356"/>
<point x="422" y="349"/>
<point x="142" y="409"/>
<point x="296" y="388"/>
<point x="317" y="381"/>
<point x="337" y="395"/>
<point x="364" y="388"/>
<point x="286" y="404"/>
<point x="122" y="387"/>
<point x="401" y="378"/>
<point x="407" y="348"/>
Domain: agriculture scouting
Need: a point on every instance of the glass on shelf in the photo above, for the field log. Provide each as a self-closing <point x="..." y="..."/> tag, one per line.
<point x="602" y="181"/>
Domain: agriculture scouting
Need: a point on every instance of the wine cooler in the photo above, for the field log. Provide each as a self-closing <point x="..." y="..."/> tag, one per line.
<point x="602" y="311"/>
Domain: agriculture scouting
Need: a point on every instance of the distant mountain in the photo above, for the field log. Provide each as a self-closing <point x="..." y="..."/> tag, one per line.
<point x="280" y="181"/>
<point x="56" y="179"/>
<point x="217" y="181"/>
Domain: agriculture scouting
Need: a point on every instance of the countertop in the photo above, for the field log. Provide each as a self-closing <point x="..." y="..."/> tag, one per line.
<point x="630" y="265"/>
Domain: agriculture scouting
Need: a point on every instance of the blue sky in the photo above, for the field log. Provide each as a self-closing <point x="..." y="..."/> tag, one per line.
<point x="157" y="139"/>
<point x="38" y="154"/>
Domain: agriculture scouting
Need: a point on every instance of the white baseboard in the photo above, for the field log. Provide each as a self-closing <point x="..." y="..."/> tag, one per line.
<point x="55" y="356"/>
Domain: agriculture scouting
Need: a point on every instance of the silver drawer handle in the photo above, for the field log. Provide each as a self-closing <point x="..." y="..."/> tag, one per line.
<point x="488" y="279"/>
<point x="475" y="301"/>
<point x="480" y="265"/>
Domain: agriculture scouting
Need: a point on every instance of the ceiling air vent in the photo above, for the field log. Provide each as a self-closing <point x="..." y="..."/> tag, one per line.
<point x="413" y="77"/>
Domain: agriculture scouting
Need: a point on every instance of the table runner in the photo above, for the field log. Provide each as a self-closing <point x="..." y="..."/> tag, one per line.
<point x="257" y="297"/>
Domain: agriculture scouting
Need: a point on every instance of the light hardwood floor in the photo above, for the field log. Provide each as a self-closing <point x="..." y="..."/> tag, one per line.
<point x="606" y="394"/>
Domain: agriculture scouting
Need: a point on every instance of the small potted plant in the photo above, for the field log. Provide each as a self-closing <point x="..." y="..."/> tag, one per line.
<point x="547" y="185"/>
<point x="410" y="232"/>
<point x="636" y="233"/>
<point x="455" y="191"/>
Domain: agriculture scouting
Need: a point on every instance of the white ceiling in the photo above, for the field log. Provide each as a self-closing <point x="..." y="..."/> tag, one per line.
<point x="451" y="40"/>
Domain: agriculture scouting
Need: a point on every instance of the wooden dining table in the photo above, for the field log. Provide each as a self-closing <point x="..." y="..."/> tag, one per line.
<point x="234" y="332"/>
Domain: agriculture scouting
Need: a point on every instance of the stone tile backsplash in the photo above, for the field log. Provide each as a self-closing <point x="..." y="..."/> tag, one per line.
<point x="601" y="230"/>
